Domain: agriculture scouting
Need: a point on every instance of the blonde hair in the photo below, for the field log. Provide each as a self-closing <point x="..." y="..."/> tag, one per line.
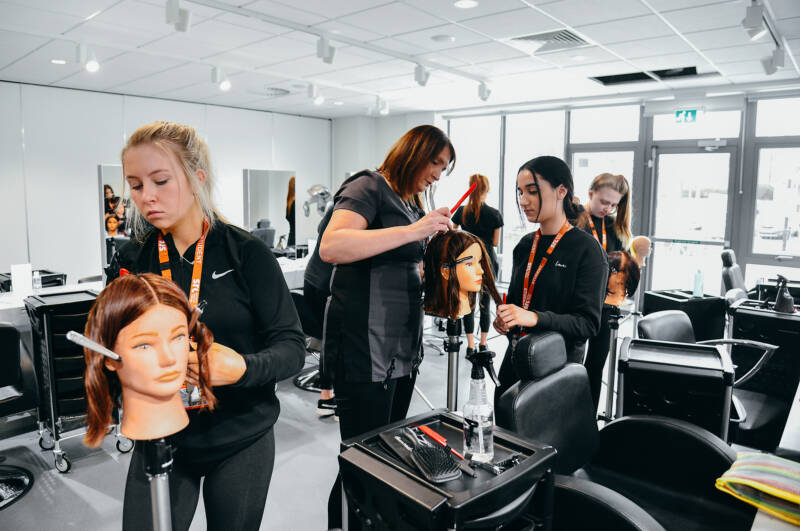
<point x="622" y="220"/>
<point x="192" y="154"/>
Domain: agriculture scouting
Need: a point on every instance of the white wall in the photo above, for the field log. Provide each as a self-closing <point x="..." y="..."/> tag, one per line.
<point x="67" y="133"/>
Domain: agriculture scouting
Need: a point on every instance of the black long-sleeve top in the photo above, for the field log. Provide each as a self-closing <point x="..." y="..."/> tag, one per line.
<point x="250" y="310"/>
<point x="568" y="296"/>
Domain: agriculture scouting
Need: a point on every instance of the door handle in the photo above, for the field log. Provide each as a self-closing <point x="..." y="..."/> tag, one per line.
<point x="784" y="258"/>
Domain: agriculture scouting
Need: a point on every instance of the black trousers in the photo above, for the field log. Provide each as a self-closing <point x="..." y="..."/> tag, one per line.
<point x="234" y="489"/>
<point x="484" y="305"/>
<point x="363" y="407"/>
<point x="596" y="355"/>
<point x="316" y="300"/>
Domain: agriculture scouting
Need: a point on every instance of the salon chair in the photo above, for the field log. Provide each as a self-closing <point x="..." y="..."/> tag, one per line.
<point x="15" y="482"/>
<point x="308" y="379"/>
<point x="761" y="417"/>
<point x="637" y="472"/>
<point x="265" y="234"/>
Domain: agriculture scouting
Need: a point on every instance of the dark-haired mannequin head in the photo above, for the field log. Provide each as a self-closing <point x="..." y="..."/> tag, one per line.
<point x="623" y="278"/>
<point x="456" y="268"/>
<point x="148" y="321"/>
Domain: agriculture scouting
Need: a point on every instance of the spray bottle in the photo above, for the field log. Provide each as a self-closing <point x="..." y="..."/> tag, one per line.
<point x="784" y="302"/>
<point x="478" y="412"/>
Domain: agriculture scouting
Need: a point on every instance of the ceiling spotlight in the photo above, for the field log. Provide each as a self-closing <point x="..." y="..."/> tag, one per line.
<point x="325" y="51"/>
<point x="314" y="95"/>
<point x="773" y="62"/>
<point x="219" y="79"/>
<point x="443" y="38"/>
<point x="421" y="75"/>
<point x="381" y="106"/>
<point x="484" y="91"/>
<point x="86" y="59"/>
<point x="178" y="16"/>
<point x="58" y="61"/>
<point x="225" y="85"/>
<point x="753" y="21"/>
<point x="465" y="4"/>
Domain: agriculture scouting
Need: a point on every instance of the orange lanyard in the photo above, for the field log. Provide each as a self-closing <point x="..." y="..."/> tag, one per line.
<point x="527" y="290"/>
<point x="197" y="269"/>
<point x="596" y="237"/>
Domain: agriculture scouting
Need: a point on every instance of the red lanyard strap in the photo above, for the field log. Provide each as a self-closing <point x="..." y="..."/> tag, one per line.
<point x="527" y="289"/>
<point x="197" y="269"/>
<point x="596" y="237"/>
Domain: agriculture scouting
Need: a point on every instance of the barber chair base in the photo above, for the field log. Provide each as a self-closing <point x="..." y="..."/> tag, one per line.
<point x="673" y="511"/>
<point x="15" y="482"/>
<point x="308" y="380"/>
<point x="764" y="423"/>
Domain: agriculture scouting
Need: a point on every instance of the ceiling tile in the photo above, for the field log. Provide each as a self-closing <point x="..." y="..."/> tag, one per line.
<point x="739" y="68"/>
<point x="670" y="61"/>
<point x="785" y="8"/>
<point x="446" y="9"/>
<point x="442" y="59"/>
<point x="628" y="29"/>
<point x="199" y="12"/>
<point x="579" y="56"/>
<point x="391" y="19"/>
<point x="600" y="69"/>
<point x="284" y="11"/>
<point x="114" y="74"/>
<point x="102" y="33"/>
<point x="719" y="38"/>
<point x="168" y="80"/>
<point x="139" y="16"/>
<point x="77" y="8"/>
<point x="253" y="23"/>
<point x="339" y="8"/>
<point x="182" y="45"/>
<point x="389" y="83"/>
<point x="732" y="54"/>
<point x="225" y="36"/>
<point x="481" y="53"/>
<point x="650" y="47"/>
<point x="36" y="67"/>
<point x="460" y="35"/>
<point x="313" y="65"/>
<point x="789" y="27"/>
<point x="507" y="67"/>
<point x="707" y="17"/>
<point x="664" y="6"/>
<point x="275" y="50"/>
<point x="366" y="73"/>
<point x="512" y="23"/>
<point x="583" y="12"/>
<point x="754" y="78"/>
<point x="15" y="45"/>
<point x="40" y="21"/>
<point x="399" y="46"/>
<point x="337" y="28"/>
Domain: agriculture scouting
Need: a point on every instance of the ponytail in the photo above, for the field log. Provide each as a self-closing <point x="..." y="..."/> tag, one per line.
<point x="476" y="198"/>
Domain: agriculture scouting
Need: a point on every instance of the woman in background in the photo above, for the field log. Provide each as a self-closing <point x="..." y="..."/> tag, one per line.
<point x="485" y="222"/>
<point x="290" y="212"/>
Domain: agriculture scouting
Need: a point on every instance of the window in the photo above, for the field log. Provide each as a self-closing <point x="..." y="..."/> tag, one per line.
<point x="754" y="272"/>
<point x="778" y="117"/>
<point x="588" y="165"/>
<point x="604" y="124"/>
<point x="777" y="220"/>
<point x="527" y="136"/>
<point x="477" y="144"/>
<point x="716" y="124"/>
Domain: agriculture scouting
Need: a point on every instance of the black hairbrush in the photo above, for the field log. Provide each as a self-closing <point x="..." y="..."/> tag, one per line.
<point x="434" y="462"/>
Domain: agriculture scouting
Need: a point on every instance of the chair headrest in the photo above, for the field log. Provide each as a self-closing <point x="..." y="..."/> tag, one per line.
<point x="667" y="325"/>
<point x="263" y="223"/>
<point x="728" y="257"/>
<point x="539" y="355"/>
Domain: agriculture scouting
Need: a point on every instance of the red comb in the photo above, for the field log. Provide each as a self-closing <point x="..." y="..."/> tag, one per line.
<point x="471" y="189"/>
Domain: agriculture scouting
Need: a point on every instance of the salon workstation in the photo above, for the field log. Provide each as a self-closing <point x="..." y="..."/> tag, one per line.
<point x="400" y="265"/>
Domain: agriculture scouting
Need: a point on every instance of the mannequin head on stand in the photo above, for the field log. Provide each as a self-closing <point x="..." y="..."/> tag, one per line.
<point x="456" y="268"/>
<point x="148" y="322"/>
<point x="623" y="277"/>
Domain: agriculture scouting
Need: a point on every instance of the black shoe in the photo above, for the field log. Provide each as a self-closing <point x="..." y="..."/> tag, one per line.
<point x="326" y="407"/>
<point x="482" y="348"/>
<point x="470" y="351"/>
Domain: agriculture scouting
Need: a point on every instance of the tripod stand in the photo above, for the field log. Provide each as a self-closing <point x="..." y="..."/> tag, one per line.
<point x="452" y="345"/>
<point x="158" y="463"/>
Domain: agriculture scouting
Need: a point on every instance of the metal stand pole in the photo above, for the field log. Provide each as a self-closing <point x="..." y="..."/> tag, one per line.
<point x="613" y="324"/>
<point x="158" y="463"/>
<point x="452" y="345"/>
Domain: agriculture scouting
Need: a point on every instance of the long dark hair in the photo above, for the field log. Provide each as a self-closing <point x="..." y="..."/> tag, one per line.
<point x="123" y="301"/>
<point x="442" y="296"/>
<point x="556" y="172"/>
<point x="409" y="155"/>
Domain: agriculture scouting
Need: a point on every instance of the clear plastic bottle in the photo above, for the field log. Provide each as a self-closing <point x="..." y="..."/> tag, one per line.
<point x="478" y="419"/>
<point x="698" y="284"/>
<point x="37" y="281"/>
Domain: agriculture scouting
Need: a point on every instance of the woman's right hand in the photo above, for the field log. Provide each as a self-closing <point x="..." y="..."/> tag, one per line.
<point x="434" y="221"/>
<point x="500" y="325"/>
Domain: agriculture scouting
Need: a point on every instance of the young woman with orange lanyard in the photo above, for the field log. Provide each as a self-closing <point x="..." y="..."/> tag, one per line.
<point x="558" y="276"/>
<point x="237" y="283"/>
<point x="607" y="218"/>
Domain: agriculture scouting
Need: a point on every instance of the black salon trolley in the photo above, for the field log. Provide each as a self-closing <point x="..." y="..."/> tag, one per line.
<point x="60" y="367"/>
<point x="385" y="493"/>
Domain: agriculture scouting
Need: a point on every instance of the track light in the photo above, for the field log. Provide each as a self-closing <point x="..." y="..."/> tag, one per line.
<point x="381" y="106"/>
<point x="484" y="91"/>
<point x="421" y="75"/>
<point x="773" y="62"/>
<point x="219" y="79"/>
<point x="753" y="21"/>
<point x="325" y="51"/>
<point x="314" y="95"/>
<point x="178" y="16"/>
<point x="86" y="58"/>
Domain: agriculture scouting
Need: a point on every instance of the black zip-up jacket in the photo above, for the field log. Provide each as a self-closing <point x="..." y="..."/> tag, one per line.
<point x="569" y="293"/>
<point x="250" y="310"/>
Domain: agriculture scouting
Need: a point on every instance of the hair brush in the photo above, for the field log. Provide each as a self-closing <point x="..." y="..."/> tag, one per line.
<point x="434" y="462"/>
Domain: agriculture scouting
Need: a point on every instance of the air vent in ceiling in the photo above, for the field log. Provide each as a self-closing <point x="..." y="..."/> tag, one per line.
<point x="669" y="74"/>
<point x="552" y="41"/>
<point x="270" y="92"/>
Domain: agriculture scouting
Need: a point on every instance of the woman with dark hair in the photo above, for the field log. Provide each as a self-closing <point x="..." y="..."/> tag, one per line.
<point x="373" y="322"/>
<point x="558" y="276"/>
<point x="290" y="212"/>
<point x="484" y="222"/>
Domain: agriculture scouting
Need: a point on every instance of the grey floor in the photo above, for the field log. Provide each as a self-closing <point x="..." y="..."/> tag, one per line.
<point x="89" y="497"/>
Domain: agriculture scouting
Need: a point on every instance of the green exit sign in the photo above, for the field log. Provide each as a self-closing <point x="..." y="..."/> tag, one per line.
<point x="686" y="116"/>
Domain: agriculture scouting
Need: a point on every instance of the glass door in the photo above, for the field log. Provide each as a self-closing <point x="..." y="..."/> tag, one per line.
<point x="586" y="165"/>
<point x="689" y="214"/>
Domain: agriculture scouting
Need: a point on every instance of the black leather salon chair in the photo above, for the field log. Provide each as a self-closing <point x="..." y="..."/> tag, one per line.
<point x="265" y="234"/>
<point x="638" y="472"/>
<point x="308" y="379"/>
<point x="15" y="482"/>
<point x="762" y="416"/>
